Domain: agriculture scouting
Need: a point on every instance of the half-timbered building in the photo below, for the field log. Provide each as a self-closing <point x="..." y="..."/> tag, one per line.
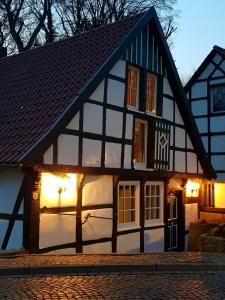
<point x="206" y="96"/>
<point x="99" y="150"/>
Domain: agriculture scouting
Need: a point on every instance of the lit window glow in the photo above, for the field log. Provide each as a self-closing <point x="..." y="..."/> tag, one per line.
<point x="58" y="190"/>
<point x="192" y="188"/>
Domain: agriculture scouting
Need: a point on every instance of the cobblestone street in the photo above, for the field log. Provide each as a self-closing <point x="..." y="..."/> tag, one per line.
<point x="116" y="286"/>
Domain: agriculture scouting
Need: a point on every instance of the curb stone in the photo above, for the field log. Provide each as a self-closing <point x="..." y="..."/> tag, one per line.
<point x="107" y="268"/>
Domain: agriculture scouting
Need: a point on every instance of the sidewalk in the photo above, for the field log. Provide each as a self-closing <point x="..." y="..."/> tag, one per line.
<point x="25" y="264"/>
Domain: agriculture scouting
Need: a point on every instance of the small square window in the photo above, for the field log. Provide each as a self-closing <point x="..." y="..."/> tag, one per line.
<point x="151" y="93"/>
<point x="217" y="95"/>
<point x="133" y="86"/>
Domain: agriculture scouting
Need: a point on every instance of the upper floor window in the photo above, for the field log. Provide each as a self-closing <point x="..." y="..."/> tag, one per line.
<point x="217" y="94"/>
<point x="133" y="86"/>
<point x="151" y="93"/>
<point x="140" y="141"/>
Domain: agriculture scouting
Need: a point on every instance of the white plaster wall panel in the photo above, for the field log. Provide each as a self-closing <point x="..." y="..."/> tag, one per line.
<point x="91" y="153"/>
<point x="171" y="160"/>
<point x="166" y="87"/>
<point x="74" y="123"/>
<point x="93" y="116"/>
<point x="220" y="176"/>
<point x="179" y="161"/>
<point x="16" y="237"/>
<point x="128" y="243"/>
<point x="154" y="240"/>
<point x="114" y="123"/>
<point x="96" y="228"/>
<point x="127" y="156"/>
<point x="217" y="58"/>
<point x="3" y="228"/>
<point x="217" y="81"/>
<point x="167" y="109"/>
<point x="10" y="182"/>
<point x="205" y="142"/>
<point x="56" y="229"/>
<point x="218" y="73"/>
<point x="217" y="123"/>
<point x="222" y="66"/>
<point x="48" y="156"/>
<point x="119" y="69"/>
<point x="191" y="162"/>
<point x="191" y="214"/>
<point x="189" y="143"/>
<point x="208" y="70"/>
<point x="186" y="241"/>
<point x="202" y="124"/>
<point x="200" y="171"/>
<point x="218" y="162"/>
<point x="98" y="190"/>
<point x="68" y="146"/>
<point x="199" y="107"/>
<point x="115" y="92"/>
<point x="178" y="118"/>
<point x="179" y="137"/>
<point x="112" y="155"/>
<point x="98" y="94"/>
<point x="218" y="143"/>
<point x="100" y="248"/>
<point x="129" y="127"/>
<point x="199" y="90"/>
<point x="171" y="136"/>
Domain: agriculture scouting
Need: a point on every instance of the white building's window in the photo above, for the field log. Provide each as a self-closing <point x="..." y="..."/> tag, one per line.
<point x="128" y="204"/>
<point x="154" y="194"/>
<point x="151" y="93"/>
<point x="133" y="87"/>
<point x="217" y="95"/>
<point x="140" y="142"/>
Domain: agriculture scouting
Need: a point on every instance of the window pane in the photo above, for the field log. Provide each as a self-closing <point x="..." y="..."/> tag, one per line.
<point x="121" y="191"/>
<point x="147" y="214"/>
<point x="218" y="97"/>
<point x="127" y="191"/>
<point x="121" y="204"/>
<point x="153" y="190"/>
<point x="132" y="86"/>
<point x="157" y="202"/>
<point x="147" y="202"/>
<point x="127" y="216"/>
<point x="147" y="189"/>
<point x="132" y="215"/>
<point x="121" y="219"/>
<point x="152" y="214"/>
<point x="157" y="213"/>
<point x="157" y="190"/>
<point x="139" y="142"/>
<point x="132" y="201"/>
<point x="132" y="191"/>
<point x="151" y="92"/>
<point x="127" y="203"/>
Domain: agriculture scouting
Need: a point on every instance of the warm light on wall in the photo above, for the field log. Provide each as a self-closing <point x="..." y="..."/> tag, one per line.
<point x="219" y="190"/>
<point x="192" y="188"/>
<point x="58" y="189"/>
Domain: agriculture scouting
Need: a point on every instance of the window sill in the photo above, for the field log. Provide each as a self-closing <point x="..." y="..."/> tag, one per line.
<point x="127" y="227"/>
<point x="154" y="224"/>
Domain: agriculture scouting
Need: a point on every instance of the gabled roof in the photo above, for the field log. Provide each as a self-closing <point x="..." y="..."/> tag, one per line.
<point x="214" y="51"/>
<point x="37" y="86"/>
<point x="42" y="89"/>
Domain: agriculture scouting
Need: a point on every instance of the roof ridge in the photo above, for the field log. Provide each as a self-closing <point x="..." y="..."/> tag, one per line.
<point x="71" y="37"/>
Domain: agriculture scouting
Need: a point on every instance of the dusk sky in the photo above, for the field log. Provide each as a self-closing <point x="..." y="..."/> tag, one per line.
<point x="201" y="25"/>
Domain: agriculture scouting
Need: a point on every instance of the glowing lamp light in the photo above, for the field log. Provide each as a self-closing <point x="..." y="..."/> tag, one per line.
<point x="58" y="189"/>
<point x="192" y="188"/>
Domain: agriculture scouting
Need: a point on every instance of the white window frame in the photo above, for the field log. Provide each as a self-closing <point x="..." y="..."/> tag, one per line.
<point x="142" y="165"/>
<point x="135" y="108"/>
<point x="159" y="221"/>
<point x="136" y="223"/>
<point x="212" y="99"/>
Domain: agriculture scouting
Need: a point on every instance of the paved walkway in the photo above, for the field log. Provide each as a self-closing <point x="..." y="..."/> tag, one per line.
<point x="204" y="286"/>
<point x="82" y="263"/>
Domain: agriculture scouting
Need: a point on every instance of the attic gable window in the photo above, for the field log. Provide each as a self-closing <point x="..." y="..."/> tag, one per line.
<point x="151" y="93"/>
<point x="217" y="94"/>
<point x="133" y="86"/>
